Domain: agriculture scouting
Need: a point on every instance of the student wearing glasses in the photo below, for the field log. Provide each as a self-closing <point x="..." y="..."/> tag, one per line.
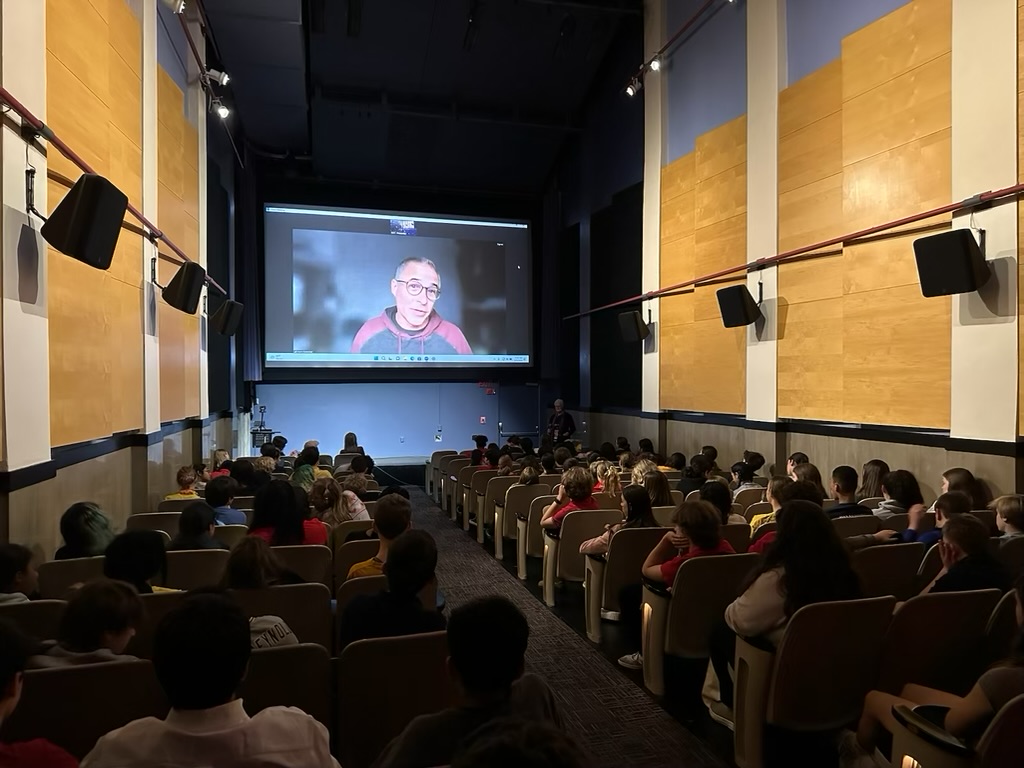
<point x="412" y="325"/>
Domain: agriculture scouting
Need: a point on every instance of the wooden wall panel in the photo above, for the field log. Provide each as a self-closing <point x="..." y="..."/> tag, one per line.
<point x="94" y="97"/>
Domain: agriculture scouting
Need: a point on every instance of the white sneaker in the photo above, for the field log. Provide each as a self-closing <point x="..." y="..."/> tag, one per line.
<point x="632" y="661"/>
<point x="722" y="715"/>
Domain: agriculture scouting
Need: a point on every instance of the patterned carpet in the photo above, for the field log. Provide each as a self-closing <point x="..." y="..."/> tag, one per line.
<point x="615" y="720"/>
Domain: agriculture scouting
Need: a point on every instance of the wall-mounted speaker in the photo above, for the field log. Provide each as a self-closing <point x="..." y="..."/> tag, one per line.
<point x="950" y="262"/>
<point x="227" y="318"/>
<point x="85" y="225"/>
<point x="737" y="306"/>
<point x="633" y="326"/>
<point x="186" y="287"/>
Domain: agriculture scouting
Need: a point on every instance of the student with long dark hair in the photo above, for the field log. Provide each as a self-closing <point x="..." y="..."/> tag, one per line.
<point x="279" y="516"/>
<point x="807" y="563"/>
<point x="720" y="497"/>
<point x="743" y="477"/>
<point x="86" y="531"/>
<point x="636" y="512"/>
<point x="871" y="479"/>
<point x="701" y="470"/>
<point x="900" y="492"/>
<point x="809" y="473"/>
<point x="657" y="486"/>
<point x="963" y="480"/>
<point x="137" y="557"/>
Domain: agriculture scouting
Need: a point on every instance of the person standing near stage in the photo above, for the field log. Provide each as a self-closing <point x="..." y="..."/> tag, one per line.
<point x="561" y="425"/>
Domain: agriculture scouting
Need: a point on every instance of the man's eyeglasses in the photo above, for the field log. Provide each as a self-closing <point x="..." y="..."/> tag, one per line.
<point x="415" y="288"/>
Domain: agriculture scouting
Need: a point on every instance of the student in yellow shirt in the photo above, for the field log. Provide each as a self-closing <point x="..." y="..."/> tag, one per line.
<point x="392" y="518"/>
<point x="772" y="496"/>
<point x="186" y="485"/>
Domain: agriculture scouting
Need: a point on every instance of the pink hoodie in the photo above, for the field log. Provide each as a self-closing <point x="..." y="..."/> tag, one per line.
<point x="382" y="334"/>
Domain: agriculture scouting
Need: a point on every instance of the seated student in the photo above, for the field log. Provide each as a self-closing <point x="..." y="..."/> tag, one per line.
<point x="202" y="476"/>
<point x="480" y="443"/>
<point x="137" y="557"/>
<point x="86" y="531"/>
<point x="719" y="496"/>
<point x="529" y="476"/>
<point x="900" y="492"/>
<point x="19" y="579"/>
<point x="359" y="465"/>
<point x="271" y="451"/>
<point x="265" y="468"/>
<point x="487" y="641"/>
<point x="677" y="461"/>
<point x="505" y="466"/>
<point x="607" y="451"/>
<point x="253" y="565"/>
<point x="15" y="649"/>
<point x="200" y="654"/>
<point x="802" y="491"/>
<point x="743" y="478"/>
<point x="280" y="518"/>
<point x="960" y="479"/>
<point x="392" y="518"/>
<point x="280" y="442"/>
<point x="511" y="742"/>
<point x="220" y="492"/>
<point x="335" y="506"/>
<point x="354" y="488"/>
<point x="808" y="473"/>
<point x="195" y="529"/>
<point x="221" y="463"/>
<point x="562" y="455"/>
<point x="412" y="560"/>
<point x="477" y="459"/>
<point x="492" y="457"/>
<point x="967" y="561"/>
<point x="646" y="445"/>
<point x="640" y="468"/>
<point x="608" y="479"/>
<point x="794" y="461"/>
<point x="306" y="464"/>
<point x="636" y="512"/>
<point x="701" y="470"/>
<point x="808" y="564"/>
<point x="755" y="460"/>
<point x="712" y="454"/>
<point x="657" y="488"/>
<point x="871" y="479"/>
<point x="351" y="444"/>
<point x="772" y="494"/>
<point x="186" y="479"/>
<point x="966" y="717"/>
<point x="696" y="533"/>
<point x="1009" y="517"/>
<point x="570" y="463"/>
<point x="575" y="492"/>
<point x="622" y="445"/>
<point x="946" y="506"/>
<point x="843" y="488"/>
<point x="98" y="623"/>
<point x="248" y="478"/>
<point x="547" y="463"/>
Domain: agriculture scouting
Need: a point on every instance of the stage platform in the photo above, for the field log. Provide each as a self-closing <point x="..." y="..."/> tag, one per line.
<point x="400" y="470"/>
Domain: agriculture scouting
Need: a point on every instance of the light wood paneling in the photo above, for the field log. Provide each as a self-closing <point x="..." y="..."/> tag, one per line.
<point x="810" y="365"/>
<point x="722" y="245"/>
<point x="721" y="197"/>
<point x="678" y="176"/>
<point x="810" y="99"/>
<point x="812" y="213"/>
<point x="811" y="153"/>
<point x="720" y="149"/>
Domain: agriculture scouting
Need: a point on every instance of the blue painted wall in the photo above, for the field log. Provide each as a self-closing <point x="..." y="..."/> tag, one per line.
<point x="706" y="72"/>
<point x="815" y="29"/>
<point x="172" y="49"/>
<point x="383" y="414"/>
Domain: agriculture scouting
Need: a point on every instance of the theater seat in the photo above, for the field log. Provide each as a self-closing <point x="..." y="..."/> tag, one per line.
<point x="39" y="619"/>
<point x="927" y="745"/>
<point x="749" y="496"/>
<point x="606" y="575"/>
<point x="351" y="553"/>
<point x="517" y="502"/>
<point x="229" y="535"/>
<point x="155" y="521"/>
<point x="663" y="515"/>
<point x="562" y="558"/>
<point x="381" y="685"/>
<point x="56" y="577"/>
<point x="156" y="607"/>
<point x="312" y="562"/>
<point x="195" y="568"/>
<point x="173" y="505"/>
<point x="244" y="503"/>
<point x="305" y="608"/>
<point x="762" y="530"/>
<point x="529" y="534"/>
<point x="474" y="496"/>
<point x="289" y="676"/>
<point x="889" y="569"/>
<point x="351" y="588"/>
<point x="760" y="508"/>
<point x="1011" y="554"/>
<point x="856" y="525"/>
<point x="607" y="501"/>
<point x="815" y="681"/>
<point x="738" y="536"/>
<point x="74" y="706"/>
<point x="1001" y="628"/>
<point x="494" y="492"/>
<point x="871" y="502"/>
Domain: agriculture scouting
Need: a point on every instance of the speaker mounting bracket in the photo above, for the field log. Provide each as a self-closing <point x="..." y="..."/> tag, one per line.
<point x="152" y="273"/>
<point x="30" y="193"/>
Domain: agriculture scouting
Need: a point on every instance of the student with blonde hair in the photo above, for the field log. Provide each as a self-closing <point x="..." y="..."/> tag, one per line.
<point x="608" y="479"/>
<point x="1009" y="517"/>
<point x="334" y="505"/>
<point x="641" y="468"/>
<point x="529" y="476"/>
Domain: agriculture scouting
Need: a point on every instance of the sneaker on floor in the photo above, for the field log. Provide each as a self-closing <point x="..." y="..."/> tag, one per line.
<point x="632" y="661"/>
<point x="722" y="715"/>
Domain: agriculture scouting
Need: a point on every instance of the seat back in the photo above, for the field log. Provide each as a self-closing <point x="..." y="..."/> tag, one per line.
<point x="1001" y="628"/>
<point x="692" y="495"/>
<point x="898" y="522"/>
<point x="738" y="536"/>
<point x="1011" y="555"/>
<point x="626" y="554"/>
<point x="857" y="525"/>
<point x="229" y="535"/>
<point x="38" y="619"/>
<point x="826" y="662"/>
<point x="312" y="562"/>
<point x="169" y="506"/>
<point x="931" y="564"/>
<point x="703" y="588"/>
<point x="889" y="569"/>
<point x="534" y="533"/>
<point x="351" y="553"/>
<point x="462" y="486"/>
<point x="518" y="499"/>
<point x="937" y="640"/>
<point x="827" y="504"/>
<point x="760" y="508"/>
<point x="551" y="480"/>
<point x="663" y="515"/>
<point x="195" y="568"/>
<point x="305" y="608"/>
<point x="156" y="521"/>
<point x="988" y="517"/>
<point x="156" y="606"/>
<point x="341" y="461"/>
<point x="1002" y="743"/>
<point x="343" y="530"/>
<point x="677" y="497"/>
<point x="762" y="530"/>
<point x="478" y="483"/>
<point x="607" y="501"/>
<point x="369" y="672"/>
<point x="56" y="577"/>
<point x="495" y="491"/>
<point x="74" y="706"/>
<point x="244" y="503"/>
<point x="871" y="501"/>
<point x="576" y="528"/>
<point x="272" y="680"/>
<point x="749" y="496"/>
<point x="351" y="588"/>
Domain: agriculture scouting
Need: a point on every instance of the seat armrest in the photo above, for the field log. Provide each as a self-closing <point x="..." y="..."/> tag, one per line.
<point x="499" y="504"/>
<point x="524" y="518"/>
<point x="657" y="587"/>
<point x="927" y="731"/>
<point x="551" y="533"/>
<point x="598" y="558"/>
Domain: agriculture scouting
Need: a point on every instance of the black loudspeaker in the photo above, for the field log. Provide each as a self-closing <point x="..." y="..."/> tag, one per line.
<point x="227" y="318"/>
<point x="950" y="263"/>
<point x="737" y="306"/>
<point x="633" y="326"/>
<point x="186" y="287"/>
<point x="86" y="223"/>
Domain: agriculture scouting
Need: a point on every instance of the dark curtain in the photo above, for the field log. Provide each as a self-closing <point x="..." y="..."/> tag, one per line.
<point x="248" y="213"/>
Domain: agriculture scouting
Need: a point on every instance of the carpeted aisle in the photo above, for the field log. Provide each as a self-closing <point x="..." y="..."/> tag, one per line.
<point x="614" y="719"/>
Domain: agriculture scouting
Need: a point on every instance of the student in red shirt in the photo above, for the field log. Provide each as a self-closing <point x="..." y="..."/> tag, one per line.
<point x="576" y="492"/>
<point x="37" y="753"/>
<point x="696" y="522"/>
<point x="280" y="516"/>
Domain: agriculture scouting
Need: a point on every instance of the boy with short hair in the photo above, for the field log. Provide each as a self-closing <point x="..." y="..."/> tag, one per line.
<point x="220" y="492"/>
<point x="391" y="518"/>
<point x="18" y="575"/>
<point x="947" y="506"/>
<point x="967" y="561"/>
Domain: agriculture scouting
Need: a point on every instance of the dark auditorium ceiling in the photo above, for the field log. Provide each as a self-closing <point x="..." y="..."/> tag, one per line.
<point x="456" y="94"/>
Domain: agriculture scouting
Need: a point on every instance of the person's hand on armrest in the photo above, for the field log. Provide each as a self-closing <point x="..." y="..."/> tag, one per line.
<point x="552" y="508"/>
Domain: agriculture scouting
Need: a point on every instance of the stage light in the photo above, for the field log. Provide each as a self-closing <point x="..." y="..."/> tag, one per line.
<point x="220" y="77"/>
<point x="634" y="87"/>
<point x="222" y="112"/>
<point x="655" y="64"/>
<point x="176" y="6"/>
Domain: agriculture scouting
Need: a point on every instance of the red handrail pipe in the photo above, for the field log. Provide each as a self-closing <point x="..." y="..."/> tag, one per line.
<point x="44" y="130"/>
<point x="968" y="204"/>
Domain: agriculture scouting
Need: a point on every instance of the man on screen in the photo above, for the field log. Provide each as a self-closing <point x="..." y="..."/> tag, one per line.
<point x="411" y="325"/>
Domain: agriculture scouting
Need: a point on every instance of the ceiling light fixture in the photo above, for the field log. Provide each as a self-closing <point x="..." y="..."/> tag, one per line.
<point x="634" y="87"/>
<point x="217" y="76"/>
<point x="655" y="64"/>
